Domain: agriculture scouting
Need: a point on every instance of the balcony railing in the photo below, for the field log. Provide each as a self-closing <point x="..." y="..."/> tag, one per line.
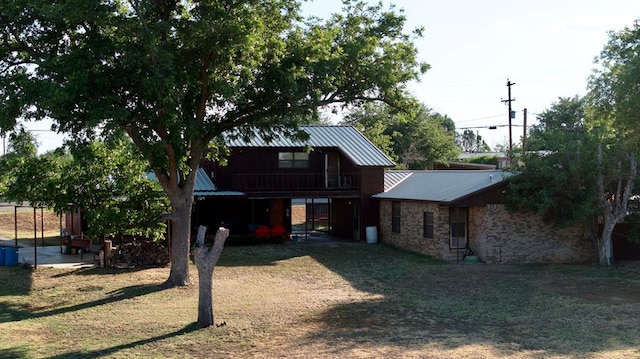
<point x="295" y="182"/>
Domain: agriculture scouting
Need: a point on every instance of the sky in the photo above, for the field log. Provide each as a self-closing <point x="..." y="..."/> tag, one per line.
<point x="545" y="47"/>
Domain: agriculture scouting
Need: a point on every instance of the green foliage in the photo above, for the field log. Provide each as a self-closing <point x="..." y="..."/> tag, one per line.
<point x="416" y="138"/>
<point x="176" y="75"/>
<point x="107" y="181"/>
<point x="614" y="98"/>
<point x="557" y="175"/>
<point x="486" y="159"/>
<point x="373" y="120"/>
<point x="22" y="143"/>
<point x="469" y="141"/>
<point x="21" y="148"/>
<point x="614" y="87"/>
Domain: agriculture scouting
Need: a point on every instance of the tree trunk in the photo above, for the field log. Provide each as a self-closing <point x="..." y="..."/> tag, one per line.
<point x="605" y="246"/>
<point x="206" y="260"/>
<point x="180" y="242"/>
<point x="615" y="203"/>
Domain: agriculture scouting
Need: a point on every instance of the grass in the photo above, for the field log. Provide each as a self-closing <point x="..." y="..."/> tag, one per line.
<point x="325" y="301"/>
<point x="46" y="224"/>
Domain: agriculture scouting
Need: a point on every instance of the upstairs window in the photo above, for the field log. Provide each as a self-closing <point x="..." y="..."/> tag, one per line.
<point x="293" y="160"/>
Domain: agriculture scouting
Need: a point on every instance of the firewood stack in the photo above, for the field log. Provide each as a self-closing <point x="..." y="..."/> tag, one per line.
<point x="139" y="254"/>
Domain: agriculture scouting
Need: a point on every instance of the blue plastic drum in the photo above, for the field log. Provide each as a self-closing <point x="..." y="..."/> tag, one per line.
<point x="11" y="256"/>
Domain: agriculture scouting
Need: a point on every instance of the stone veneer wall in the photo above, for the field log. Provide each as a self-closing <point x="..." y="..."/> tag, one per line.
<point x="495" y="235"/>
<point x="410" y="237"/>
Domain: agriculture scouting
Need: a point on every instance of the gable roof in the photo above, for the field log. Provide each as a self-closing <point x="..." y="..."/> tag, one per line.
<point x="393" y="178"/>
<point x="441" y="186"/>
<point x="347" y="139"/>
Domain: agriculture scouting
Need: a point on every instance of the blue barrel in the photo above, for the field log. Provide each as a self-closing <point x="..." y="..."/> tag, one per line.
<point x="11" y="256"/>
<point x="1" y="256"/>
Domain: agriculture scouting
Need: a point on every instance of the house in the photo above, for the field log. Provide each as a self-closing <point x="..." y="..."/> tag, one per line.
<point x="445" y="213"/>
<point x="337" y="165"/>
<point x="501" y="158"/>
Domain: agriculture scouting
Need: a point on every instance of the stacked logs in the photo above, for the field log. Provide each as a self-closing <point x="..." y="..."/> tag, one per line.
<point x="139" y="254"/>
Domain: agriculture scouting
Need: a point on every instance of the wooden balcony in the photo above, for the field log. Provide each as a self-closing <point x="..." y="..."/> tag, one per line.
<point x="294" y="182"/>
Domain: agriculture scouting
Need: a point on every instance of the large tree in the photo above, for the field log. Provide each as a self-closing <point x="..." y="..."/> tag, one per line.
<point x="176" y="75"/>
<point x="589" y="169"/>
<point x="579" y="168"/>
<point x="557" y="174"/>
<point x="614" y="99"/>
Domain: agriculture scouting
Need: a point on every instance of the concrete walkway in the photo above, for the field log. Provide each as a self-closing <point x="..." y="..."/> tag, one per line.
<point x="49" y="256"/>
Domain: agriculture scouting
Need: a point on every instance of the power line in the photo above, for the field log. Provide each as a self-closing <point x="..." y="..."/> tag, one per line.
<point x="491" y="127"/>
<point x="478" y="119"/>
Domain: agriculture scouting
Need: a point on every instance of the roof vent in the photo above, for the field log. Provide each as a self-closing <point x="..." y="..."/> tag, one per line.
<point x="490" y="178"/>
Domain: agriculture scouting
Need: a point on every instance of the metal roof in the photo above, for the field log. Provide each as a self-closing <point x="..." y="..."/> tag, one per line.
<point x="440" y="186"/>
<point x="347" y="139"/>
<point x="204" y="186"/>
<point x="393" y="178"/>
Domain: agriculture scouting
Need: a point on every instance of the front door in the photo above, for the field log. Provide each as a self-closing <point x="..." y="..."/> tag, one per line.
<point x="458" y="227"/>
<point x="356" y="220"/>
<point x="277" y="212"/>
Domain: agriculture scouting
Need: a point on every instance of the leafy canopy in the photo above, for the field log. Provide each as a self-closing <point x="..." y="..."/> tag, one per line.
<point x="107" y="180"/>
<point x="177" y="74"/>
<point x="415" y="138"/>
<point x="557" y="175"/>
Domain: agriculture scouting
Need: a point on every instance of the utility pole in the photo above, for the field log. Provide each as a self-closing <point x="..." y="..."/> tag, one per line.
<point x="508" y="101"/>
<point x="524" y="132"/>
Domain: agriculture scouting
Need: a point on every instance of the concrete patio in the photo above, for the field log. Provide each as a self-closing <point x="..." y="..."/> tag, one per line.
<point x="49" y="256"/>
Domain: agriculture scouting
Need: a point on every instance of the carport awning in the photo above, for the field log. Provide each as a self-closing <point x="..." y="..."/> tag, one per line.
<point x="204" y="187"/>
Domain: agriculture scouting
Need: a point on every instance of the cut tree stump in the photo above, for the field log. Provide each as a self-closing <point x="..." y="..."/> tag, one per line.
<point x="206" y="260"/>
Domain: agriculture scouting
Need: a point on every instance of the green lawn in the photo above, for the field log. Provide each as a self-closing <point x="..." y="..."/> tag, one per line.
<point x="326" y="301"/>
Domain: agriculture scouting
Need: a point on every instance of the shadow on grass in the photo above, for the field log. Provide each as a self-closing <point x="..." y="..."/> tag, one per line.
<point x="13" y="313"/>
<point x="15" y="353"/>
<point x="416" y="302"/>
<point x="113" y="350"/>
<point x="15" y="281"/>
<point x="259" y="255"/>
<point x="91" y="271"/>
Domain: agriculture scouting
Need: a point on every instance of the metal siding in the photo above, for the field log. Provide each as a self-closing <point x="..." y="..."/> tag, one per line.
<point x="347" y="139"/>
